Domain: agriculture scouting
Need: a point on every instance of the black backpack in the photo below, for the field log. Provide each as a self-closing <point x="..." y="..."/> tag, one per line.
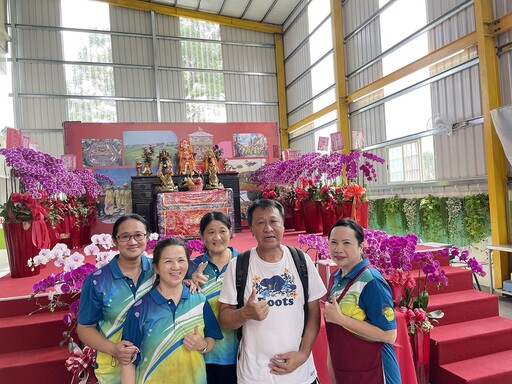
<point x="242" y="267"/>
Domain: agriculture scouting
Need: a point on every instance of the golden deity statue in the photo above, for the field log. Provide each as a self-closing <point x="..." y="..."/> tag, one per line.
<point x="211" y="168"/>
<point x="187" y="163"/>
<point x="165" y="172"/>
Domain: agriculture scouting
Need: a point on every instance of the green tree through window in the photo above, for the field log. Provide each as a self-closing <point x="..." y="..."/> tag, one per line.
<point x="92" y="80"/>
<point x="207" y="83"/>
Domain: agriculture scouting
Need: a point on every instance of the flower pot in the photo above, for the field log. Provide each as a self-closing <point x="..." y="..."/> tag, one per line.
<point x="19" y="249"/>
<point x="345" y="210"/>
<point x="76" y="237"/>
<point x="52" y="234"/>
<point x="328" y="218"/>
<point x="397" y="292"/>
<point x="85" y="235"/>
<point x="298" y="220"/>
<point x="288" y="215"/>
<point x="312" y="215"/>
<point x="420" y="343"/>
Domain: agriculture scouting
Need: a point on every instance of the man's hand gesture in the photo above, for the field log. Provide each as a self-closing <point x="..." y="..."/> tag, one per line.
<point x="254" y="309"/>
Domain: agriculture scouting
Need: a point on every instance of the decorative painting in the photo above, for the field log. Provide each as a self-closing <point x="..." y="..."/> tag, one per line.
<point x="135" y="140"/>
<point x="250" y="145"/>
<point x="101" y="152"/>
<point x="245" y="168"/>
<point x="115" y="200"/>
<point x="200" y="142"/>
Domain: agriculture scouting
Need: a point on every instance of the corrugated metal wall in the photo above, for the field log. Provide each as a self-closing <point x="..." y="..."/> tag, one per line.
<point x="309" y="72"/>
<point x="461" y="155"/>
<point x="145" y="69"/>
<point x="257" y="89"/>
<point x="502" y="7"/>
<point x="362" y="42"/>
<point x="40" y="117"/>
<point x="458" y="156"/>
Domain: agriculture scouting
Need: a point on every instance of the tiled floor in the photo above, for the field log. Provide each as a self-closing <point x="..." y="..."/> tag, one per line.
<point x="505" y="301"/>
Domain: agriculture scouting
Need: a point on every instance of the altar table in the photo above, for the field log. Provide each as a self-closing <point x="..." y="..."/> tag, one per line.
<point x="179" y="213"/>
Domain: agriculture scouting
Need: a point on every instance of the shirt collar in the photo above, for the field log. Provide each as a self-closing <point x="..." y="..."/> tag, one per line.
<point x="206" y="256"/>
<point x="118" y="274"/>
<point x="160" y="300"/>
<point x="363" y="263"/>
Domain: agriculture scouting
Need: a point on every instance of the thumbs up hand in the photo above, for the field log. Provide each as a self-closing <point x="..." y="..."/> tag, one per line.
<point x="194" y="341"/>
<point x="255" y="309"/>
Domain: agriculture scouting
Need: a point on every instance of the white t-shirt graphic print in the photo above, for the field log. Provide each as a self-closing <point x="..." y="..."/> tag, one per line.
<point x="279" y="284"/>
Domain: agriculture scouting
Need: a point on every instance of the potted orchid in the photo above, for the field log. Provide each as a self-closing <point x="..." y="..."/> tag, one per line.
<point x="40" y="177"/>
<point x="348" y="173"/>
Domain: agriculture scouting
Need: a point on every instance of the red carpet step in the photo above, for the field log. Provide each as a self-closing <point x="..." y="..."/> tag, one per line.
<point x="29" y="345"/>
<point x="495" y="368"/>
<point x="459" y="279"/>
<point x="464" y="306"/>
<point x="471" y="339"/>
<point x="471" y="344"/>
<point x="41" y="366"/>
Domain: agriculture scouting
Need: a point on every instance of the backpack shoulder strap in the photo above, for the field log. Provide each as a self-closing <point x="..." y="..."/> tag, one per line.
<point x="242" y="267"/>
<point x="300" y="263"/>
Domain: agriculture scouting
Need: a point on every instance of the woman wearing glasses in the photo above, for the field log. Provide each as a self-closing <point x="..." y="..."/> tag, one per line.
<point x="108" y="294"/>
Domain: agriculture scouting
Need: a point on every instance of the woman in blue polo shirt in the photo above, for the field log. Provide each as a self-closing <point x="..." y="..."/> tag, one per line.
<point x="172" y="328"/>
<point x="208" y="271"/>
<point x="359" y="316"/>
<point x="109" y="292"/>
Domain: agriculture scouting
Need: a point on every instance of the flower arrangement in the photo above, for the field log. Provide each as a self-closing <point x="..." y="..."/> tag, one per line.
<point x="25" y="209"/>
<point x="394" y="256"/>
<point x="307" y="189"/>
<point x="69" y="281"/>
<point x="37" y="172"/>
<point x="147" y="153"/>
<point x="316" y="243"/>
<point x="195" y="245"/>
<point x="327" y="195"/>
<point x="270" y="193"/>
<point x="316" y="166"/>
<point x="21" y="207"/>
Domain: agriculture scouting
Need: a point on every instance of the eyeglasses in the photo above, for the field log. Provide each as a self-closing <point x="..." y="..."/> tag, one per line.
<point x="127" y="238"/>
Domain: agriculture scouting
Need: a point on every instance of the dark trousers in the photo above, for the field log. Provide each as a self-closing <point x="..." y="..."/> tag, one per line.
<point x="221" y="374"/>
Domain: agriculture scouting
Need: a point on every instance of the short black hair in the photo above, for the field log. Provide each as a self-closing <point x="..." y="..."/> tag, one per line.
<point x="162" y="244"/>
<point x="211" y="216"/>
<point x="123" y="218"/>
<point x="358" y="230"/>
<point x="265" y="204"/>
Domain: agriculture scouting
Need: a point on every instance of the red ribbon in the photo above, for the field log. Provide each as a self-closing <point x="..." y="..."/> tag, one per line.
<point x="81" y="364"/>
<point x="40" y="235"/>
<point x="356" y="192"/>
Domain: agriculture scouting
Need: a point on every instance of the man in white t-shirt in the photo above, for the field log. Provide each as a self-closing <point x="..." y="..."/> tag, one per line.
<point x="273" y="348"/>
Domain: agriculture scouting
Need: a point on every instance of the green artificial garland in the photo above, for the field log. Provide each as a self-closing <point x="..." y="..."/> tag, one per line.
<point x="410" y="210"/>
<point x="476" y="217"/>
<point x="433" y="218"/>
<point x="392" y="213"/>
